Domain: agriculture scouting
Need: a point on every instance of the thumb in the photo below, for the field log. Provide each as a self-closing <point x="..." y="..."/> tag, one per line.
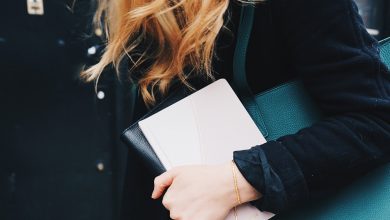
<point x="161" y="183"/>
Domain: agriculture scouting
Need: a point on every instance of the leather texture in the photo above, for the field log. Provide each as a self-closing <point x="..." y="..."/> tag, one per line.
<point x="385" y="51"/>
<point x="137" y="142"/>
<point x="366" y="199"/>
<point x="280" y="111"/>
<point x="286" y="109"/>
<point x="239" y="68"/>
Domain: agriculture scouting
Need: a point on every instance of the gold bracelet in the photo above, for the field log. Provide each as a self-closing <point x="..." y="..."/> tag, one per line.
<point x="235" y="183"/>
<point x="236" y="189"/>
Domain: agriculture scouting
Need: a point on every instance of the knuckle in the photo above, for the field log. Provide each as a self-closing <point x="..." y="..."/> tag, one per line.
<point x="156" y="180"/>
<point x="174" y="215"/>
<point x="166" y="202"/>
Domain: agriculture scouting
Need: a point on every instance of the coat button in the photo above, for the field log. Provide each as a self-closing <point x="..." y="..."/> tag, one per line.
<point x="100" y="166"/>
<point x="98" y="32"/>
<point x="101" y="95"/>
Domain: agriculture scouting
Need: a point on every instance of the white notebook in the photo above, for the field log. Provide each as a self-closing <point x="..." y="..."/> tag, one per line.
<point x="204" y="128"/>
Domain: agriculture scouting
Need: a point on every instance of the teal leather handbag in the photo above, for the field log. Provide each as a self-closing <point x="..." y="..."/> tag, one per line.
<point x="274" y="113"/>
<point x="277" y="114"/>
<point x="366" y="199"/>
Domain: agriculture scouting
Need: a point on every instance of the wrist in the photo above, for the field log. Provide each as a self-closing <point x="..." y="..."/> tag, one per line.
<point x="246" y="191"/>
<point x="228" y="187"/>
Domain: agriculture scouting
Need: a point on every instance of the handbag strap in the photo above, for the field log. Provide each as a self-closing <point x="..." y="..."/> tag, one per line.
<point x="239" y="67"/>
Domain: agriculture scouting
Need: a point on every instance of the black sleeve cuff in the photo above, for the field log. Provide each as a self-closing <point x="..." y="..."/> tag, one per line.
<point x="272" y="170"/>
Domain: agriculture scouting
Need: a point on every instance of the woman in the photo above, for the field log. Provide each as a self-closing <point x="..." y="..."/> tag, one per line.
<point x="323" y="42"/>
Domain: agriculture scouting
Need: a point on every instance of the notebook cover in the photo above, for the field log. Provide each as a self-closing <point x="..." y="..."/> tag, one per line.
<point x="204" y="128"/>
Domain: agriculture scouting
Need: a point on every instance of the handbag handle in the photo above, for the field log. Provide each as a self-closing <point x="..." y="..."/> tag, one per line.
<point x="239" y="67"/>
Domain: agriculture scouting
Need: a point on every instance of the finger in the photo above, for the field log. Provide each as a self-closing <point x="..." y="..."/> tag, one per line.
<point x="161" y="183"/>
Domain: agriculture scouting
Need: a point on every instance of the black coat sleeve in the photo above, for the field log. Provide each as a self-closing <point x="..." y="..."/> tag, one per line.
<point x="340" y="65"/>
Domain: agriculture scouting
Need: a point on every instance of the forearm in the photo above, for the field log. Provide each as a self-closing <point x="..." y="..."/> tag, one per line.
<point x="323" y="157"/>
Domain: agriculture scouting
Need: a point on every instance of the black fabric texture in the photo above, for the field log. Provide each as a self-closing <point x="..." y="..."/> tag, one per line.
<point x="331" y="51"/>
<point x="325" y="43"/>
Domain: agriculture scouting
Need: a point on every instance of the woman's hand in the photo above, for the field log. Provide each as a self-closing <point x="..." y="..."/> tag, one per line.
<point x="202" y="192"/>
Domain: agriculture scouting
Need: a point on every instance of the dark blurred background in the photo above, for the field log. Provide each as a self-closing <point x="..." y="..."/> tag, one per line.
<point x="60" y="153"/>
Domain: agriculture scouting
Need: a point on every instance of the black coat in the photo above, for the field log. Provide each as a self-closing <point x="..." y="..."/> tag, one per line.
<point x="325" y="43"/>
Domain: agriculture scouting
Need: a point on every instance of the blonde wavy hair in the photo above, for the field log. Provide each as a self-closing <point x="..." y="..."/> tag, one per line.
<point x="170" y="35"/>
